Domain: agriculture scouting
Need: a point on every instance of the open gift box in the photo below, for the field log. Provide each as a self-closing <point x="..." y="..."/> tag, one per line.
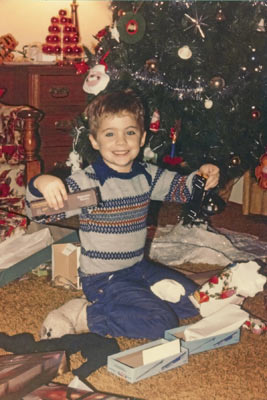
<point x="217" y="330"/>
<point x="147" y="360"/>
<point x="200" y="345"/>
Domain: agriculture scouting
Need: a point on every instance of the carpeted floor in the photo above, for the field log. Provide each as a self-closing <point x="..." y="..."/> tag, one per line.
<point x="229" y="373"/>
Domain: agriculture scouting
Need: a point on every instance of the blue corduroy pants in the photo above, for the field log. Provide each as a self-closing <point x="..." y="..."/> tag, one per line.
<point x="124" y="305"/>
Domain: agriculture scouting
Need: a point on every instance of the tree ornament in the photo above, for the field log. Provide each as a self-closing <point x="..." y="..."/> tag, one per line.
<point x="102" y="60"/>
<point x="121" y="13"/>
<point x="131" y="27"/>
<point x="208" y="104"/>
<point x="261" y="171"/>
<point x="197" y="22"/>
<point x="217" y="82"/>
<point x="100" y="34"/>
<point x="155" y="122"/>
<point x="81" y="67"/>
<point x="261" y="25"/>
<point x="97" y="80"/>
<point x="185" y="53"/>
<point x="220" y="15"/>
<point x="115" y="33"/>
<point x="151" y="65"/>
<point x="149" y="155"/>
<point x="235" y="161"/>
<point x="255" y="114"/>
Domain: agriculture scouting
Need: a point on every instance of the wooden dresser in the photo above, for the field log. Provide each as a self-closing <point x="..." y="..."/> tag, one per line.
<point x="57" y="92"/>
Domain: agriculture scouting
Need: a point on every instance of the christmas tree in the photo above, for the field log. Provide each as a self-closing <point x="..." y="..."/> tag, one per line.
<point x="200" y="68"/>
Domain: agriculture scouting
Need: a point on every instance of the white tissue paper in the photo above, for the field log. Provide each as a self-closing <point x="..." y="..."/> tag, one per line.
<point x="226" y="320"/>
<point x="247" y="279"/>
<point x="231" y="286"/>
<point x="16" y="249"/>
<point x="168" y="290"/>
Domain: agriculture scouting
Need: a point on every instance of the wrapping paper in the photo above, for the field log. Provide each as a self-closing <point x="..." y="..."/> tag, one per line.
<point x="196" y="244"/>
<point x="231" y="286"/>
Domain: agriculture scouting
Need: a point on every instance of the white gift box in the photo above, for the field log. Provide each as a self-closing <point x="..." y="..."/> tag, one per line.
<point x="147" y="360"/>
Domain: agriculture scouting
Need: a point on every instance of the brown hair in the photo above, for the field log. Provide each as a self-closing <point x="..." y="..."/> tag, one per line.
<point x="115" y="103"/>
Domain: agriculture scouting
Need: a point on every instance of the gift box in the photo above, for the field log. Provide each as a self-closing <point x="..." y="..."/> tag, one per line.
<point x="65" y="264"/>
<point x="147" y="360"/>
<point x="205" y="344"/>
<point x="22" y="373"/>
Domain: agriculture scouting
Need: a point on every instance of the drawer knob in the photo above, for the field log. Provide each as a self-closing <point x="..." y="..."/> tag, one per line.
<point x="59" y="92"/>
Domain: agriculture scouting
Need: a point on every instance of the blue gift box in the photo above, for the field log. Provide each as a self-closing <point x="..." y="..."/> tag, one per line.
<point x="200" y="345"/>
<point x="129" y="365"/>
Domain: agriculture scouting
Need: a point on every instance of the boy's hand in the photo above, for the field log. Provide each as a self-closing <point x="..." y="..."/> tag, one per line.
<point x="53" y="190"/>
<point x="211" y="173"/>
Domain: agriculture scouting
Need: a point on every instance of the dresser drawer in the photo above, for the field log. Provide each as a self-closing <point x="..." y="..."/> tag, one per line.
<point x="55" y="130"/>
<point x="61" y="90"/>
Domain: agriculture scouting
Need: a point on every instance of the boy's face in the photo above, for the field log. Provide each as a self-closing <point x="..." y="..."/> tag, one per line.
<point x="118" y="139"/>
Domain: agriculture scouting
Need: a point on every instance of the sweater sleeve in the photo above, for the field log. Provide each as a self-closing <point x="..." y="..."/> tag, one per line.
<point x="170" y="186"/>
<point x="75" y="183"/>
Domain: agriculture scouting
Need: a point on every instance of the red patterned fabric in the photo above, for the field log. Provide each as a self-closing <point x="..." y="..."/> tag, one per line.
<point x="12" y="187"/>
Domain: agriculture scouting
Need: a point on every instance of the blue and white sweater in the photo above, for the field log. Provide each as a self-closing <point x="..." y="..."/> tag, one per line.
<point x="113" y="234"/>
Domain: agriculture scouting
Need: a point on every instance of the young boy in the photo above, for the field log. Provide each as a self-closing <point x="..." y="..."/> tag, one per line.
<point x="114" y="274"/>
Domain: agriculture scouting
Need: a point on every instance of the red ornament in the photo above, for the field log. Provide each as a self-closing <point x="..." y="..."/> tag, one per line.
<point x="54" y="20"/>
<point x="49" y="39"/>
<point x="261" y="172"/>
<point x="62" y="12"/>
<point x="75" y="39"/>
<point x="56" y="39"/>
<point x="67" y="50"/>
<point x="101" y="34"/>
<point x="57" y="50"/>
<point x="54" y="29"/>
<point x="155" y="122"/>
<point x="121" y="13"/>
<point x="67" y="29"/>
<point x="66" y="39"/>
<point x="81" y="68"/>
<point x="255" y="114"/>
<point x="63" y="20"/>
<point x="48" y="49"/>
<point x="77" y="49"/>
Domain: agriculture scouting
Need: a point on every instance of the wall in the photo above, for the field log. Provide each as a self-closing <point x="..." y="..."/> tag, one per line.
<point x="28" y="20"/>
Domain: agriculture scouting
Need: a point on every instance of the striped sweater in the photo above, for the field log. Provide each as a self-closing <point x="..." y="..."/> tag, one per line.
<point x="113" y="234"/>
